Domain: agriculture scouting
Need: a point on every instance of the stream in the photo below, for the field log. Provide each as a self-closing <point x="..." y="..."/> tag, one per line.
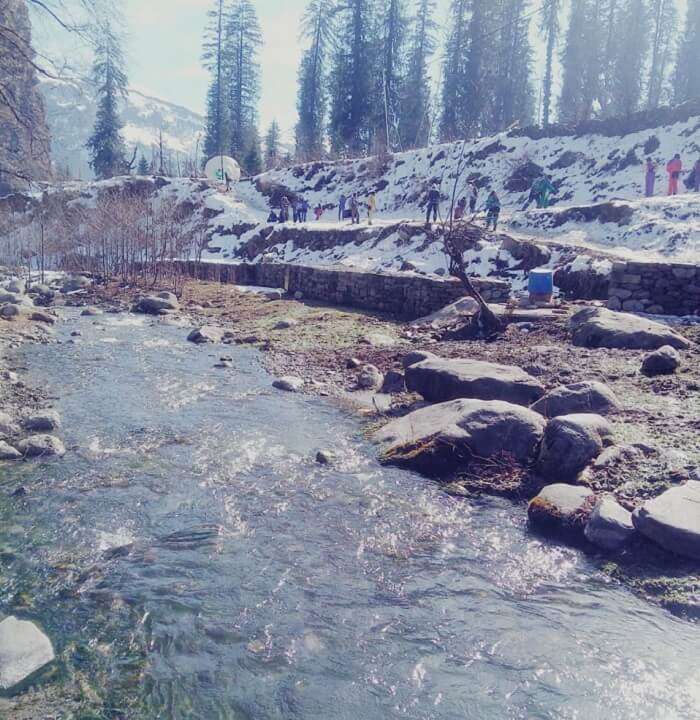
<point x="189" y="559"/>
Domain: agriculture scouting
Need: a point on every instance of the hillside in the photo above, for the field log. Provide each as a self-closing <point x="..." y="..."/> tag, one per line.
<point x="70" y="110"/>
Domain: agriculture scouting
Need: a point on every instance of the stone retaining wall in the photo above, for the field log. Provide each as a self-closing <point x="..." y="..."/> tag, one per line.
<point x="660" y="288"/>
<point x="401" y="294"/>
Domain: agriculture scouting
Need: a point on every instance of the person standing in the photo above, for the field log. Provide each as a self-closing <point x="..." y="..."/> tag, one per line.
<point x="493" y="208"/>
<point x="318" y="211"/>
<point x="674" y="169"/>
<point x="696" y="171"/>
<point x="284" y="212"/>
<point x="342" y="202"/>
<point x="371" y="207"/>
<point x="433" y="204"/>
<point x="473" y="197"/>
<point x="304" y="209"/>
<point x="649" y="178"/>
<point x="354" y="210"/>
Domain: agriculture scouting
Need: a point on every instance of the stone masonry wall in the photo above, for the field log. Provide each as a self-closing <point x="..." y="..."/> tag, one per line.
<point x="658" y="288"/>
<point x="403" y="295"/>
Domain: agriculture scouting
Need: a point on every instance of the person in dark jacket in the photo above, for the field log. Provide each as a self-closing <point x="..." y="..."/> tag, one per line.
<point x="342" y="202"/>
<point x="473" y="197"/>
<point x="284" y="210"/>
<point x="649" y="178"/>
<point x="354" y="210"/>
<point x="493" y="210"/>
<point x="461" y="206"/>
<point x="433" y="204"/>
<point x="696" y="170"/>
<point x="272" y="217"/>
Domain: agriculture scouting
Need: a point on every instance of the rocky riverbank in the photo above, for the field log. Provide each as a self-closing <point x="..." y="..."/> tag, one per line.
<point x="602" y="409"/>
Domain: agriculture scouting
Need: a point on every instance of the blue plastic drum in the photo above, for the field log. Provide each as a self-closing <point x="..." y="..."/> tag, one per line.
<point x="541" y="282"/>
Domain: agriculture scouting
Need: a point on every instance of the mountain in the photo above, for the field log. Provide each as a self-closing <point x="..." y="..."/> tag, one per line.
<point x="70" y="110"/>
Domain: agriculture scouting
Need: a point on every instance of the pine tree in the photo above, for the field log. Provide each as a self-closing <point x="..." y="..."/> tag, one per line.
<point x="312" y="97"/>
<point x="243" y="40"/>
<point x="550" y="26"/>
<point x="352" y="79"/>
<point x="512" y="91"/>
<point x="390" y="74"/>
<point x="272" y="145"/>
<point x="106" y="146"/>
<point x="143" y="166"/>
<point x="454" y="72"/>
<point x="217" y="126"/>
<point x="252" y="161"/>
<point x="628" y="61"/>
<point x="414" y="112"/>
<point x="664" y="22"/>
<point x="581" y="63"/>
<point x="687" y="75"/>
<point x="608" y="48"/>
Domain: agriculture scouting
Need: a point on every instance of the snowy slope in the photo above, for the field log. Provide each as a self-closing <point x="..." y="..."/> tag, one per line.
<point x="589" y="171"/>
<point x="70" y="111"/>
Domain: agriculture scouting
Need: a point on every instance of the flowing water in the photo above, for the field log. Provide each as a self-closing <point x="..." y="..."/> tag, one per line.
<point x="258" y="584"/>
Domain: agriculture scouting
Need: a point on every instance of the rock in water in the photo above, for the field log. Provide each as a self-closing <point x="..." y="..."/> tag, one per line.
<point x="570" y="443"/>
<point x="672" y="520"/>
<point x="288" y="384"/>
<point x="441" y="438"/>
<point x="7" y="452"/>
<point x="664" y="361"/>
<point x="583" y="397"/>
<point x="43" y="421"/>
<point x="440" y="380"/>
<point x="610" y="526"/>
<point x="41" y="446"/>
<point x="24" y="651"/>
<point x="602" y="328"/>
<point x="561" y="508"/>
<point x="206" y="334"/>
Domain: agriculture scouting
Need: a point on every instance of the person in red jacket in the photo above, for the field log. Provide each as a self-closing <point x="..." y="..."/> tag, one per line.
<point x="674" y="168"/>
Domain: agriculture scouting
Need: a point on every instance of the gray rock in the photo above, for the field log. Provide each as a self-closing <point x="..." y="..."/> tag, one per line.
<point x="600" y="327"/>
<point x="440" y="438"/>
<point x="41" y="446"/>
<point x="7" y="452"/>
<point x="75" y="283"/>
<point x="43" y="421"/>
<point x="41" y="290"/>
<point x="298" y="295"/>
<point x="160" y="304"/>
<point x="91" y="312"/>
<point x="416" y="356"/>
<point x="272" y="295"/>
<point x="583" y="397"/>
<point x="370" y="378"/>
<point x="571" y="443"/>
<point x="672" y="520"/>
<point x="8" y="427"/>
<point x="353" y="364"/>
<point x="24" y="651"/>
<point x="206" y="334"/>
<point x="561" y="508"/>
<point x="10" y="311"/>
<point x="325" y="457"/>
<point x="615" y="455"/>
<point x="439" y="380"/>
<point x="12" y="298"/>
<point x="286" y="323"/>
<point x="43" y="317"/>
<point x="19" y="287"/>
<point x="377" y="339"/>
<point x="288" y="383"/>
<point x="394" y="382"/>
<point x="664" y="361"/>
<point x="610" y="526"/>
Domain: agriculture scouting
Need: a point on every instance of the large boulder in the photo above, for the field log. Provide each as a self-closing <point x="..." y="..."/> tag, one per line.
<point x="562" y="509"/>
<point x="7" y="452"/>
<point x="664" y="361"/>
<point x="439" y="380"/>
<point x="440" y="438"/>
<point x="75" y="283"/>
<point x="42" y="421"/>
<point x="162" y="303"/>
<point x="288" y="383"/>
<point x="571" y="443"/>
<point x="416" y="356"/>
<point x="672" y="520"/>
<point x="600" y="327"/>
<point x="41" y="446"/>
<point x="583" y="397"/>
<point x="24" y="651"/>
<point x="8" y="427"/>
<point x="610" y="526"/>
<point x="206" y="334"/>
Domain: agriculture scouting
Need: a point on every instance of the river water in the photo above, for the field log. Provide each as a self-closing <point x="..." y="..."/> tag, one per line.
<point x="261" y="585"/>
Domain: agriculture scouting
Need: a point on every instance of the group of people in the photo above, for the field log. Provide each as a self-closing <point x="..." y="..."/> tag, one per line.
<point x="470" y="199"/>
<point x="349" y="208"/>
<point x="674" y="168"/>
<point x="298" y="208"/>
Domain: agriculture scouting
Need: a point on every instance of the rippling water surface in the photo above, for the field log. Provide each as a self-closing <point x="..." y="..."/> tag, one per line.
<point x="261" y="585"/>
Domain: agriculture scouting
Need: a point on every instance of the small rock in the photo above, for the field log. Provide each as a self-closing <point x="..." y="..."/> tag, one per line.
<point x="19" y="287"/>
<point x="223" y="364"/>
<point x="7" y="452"/>
<point x="394" y="382"/>
<point x="10" y="311"/>
<point x="353" y="364"/>
<point x="664" y="361"/>
<point x="288" y="383"/>
<point x="41" y="446"/>
<point x="610" y="526"/>
<point x="286" y="323"/>
<point x="298" y="295"/>
<point x="43" y="421"/>
<point x="583" y="397"/>
<point x="325" y="457"/>
<point x="272" y="295"/>
<point x="91" y="312"/>
<point x="43" y="317"/>
<point x="561" y="508"/>
<point x="24" y="651"/>
<point x="76" y="333"/>
<point x="370" y="378"/>
<point x="379" y="340"/>
<point x="160" y="304"/>
<point x="206" y="334"/>
<point x="416" y="356"/>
